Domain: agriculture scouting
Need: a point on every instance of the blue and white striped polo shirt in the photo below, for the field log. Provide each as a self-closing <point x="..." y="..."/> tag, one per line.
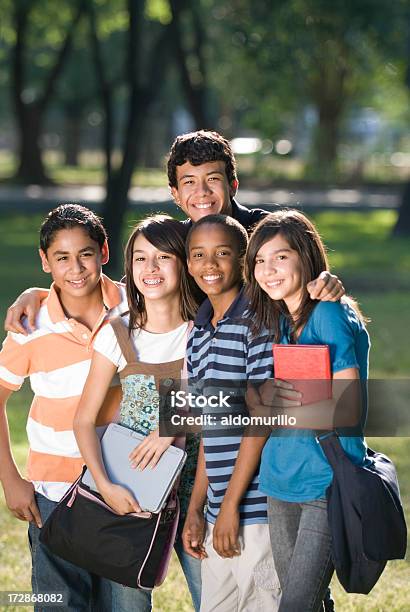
<point x="228" y="352"/>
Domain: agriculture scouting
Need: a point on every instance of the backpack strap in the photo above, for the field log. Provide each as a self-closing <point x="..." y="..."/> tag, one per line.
<point x="123" y="338"/>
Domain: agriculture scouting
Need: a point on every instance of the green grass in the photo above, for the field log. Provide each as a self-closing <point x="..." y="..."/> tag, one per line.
<point x="373" y="267"/>
<point x="360" y="247"/>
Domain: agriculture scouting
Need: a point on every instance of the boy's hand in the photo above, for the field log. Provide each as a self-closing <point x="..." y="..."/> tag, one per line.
<point x="193" y="534"/>
<point x="120" y="499"/>
<point x="326" y="288"/>
<point x="226" y="530"/>
<point x="150" y="451"/>
<point x="20" y="500"/>
<point x="27" y="304"/>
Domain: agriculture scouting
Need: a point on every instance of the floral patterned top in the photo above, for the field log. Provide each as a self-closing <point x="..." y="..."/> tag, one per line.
<point x="139" y="410"/>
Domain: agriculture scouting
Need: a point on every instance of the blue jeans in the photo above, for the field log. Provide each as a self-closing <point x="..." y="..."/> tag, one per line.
<point x="83" y="591"/>
<point x="301" y="545"/>
<point x="192" y="571"/>
<point x="126" y="599"/>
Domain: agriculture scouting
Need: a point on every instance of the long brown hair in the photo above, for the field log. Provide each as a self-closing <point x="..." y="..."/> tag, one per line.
<point x="303" y="237"/>
<point x="167" y="235"/>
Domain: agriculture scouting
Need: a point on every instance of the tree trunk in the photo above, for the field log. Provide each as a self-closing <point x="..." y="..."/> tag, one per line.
<point x="31" y="168"/>
<point x="114" y="207"/>
<point x="105" y="88"/>
<point x="402" y="227"/>
<point x="329" y="92"/>
<point x="72" y="135"/>
<point x="118" y="186"/>
<point x="30" y="116"/>
<point x="195" y="91"/>
<point x="326" y="140"/>
<point x="140" y="99"/>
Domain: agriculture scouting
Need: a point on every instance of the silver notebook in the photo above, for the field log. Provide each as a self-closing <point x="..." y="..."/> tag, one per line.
<point x="151" y="487"/>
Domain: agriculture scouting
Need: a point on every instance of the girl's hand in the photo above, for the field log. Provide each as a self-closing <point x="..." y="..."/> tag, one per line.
<point x="279" y="394"/>
<point x="226" y="531"/>
<point x="273" y="394"/>
<point x="120" y="499"/>
<point x="149" y="452"/>
<point x="193" y="534"/>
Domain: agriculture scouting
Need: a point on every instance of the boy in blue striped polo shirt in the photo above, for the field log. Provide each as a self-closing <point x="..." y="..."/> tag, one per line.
<point x="237" y="566"/>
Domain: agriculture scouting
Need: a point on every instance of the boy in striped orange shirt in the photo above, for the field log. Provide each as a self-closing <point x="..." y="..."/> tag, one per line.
<point x="56" y="357"/>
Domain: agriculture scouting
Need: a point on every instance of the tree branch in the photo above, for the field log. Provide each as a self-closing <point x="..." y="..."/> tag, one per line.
<point x="20" y="14"/>
<point x="62" y="55"/>
<point x="105" y="88"/>
<point x="193" y="93"/>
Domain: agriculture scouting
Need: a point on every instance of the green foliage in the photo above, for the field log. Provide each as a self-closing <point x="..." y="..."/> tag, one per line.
<point x="281" y="57"/>
<point x="158" y="10"/>
<point x="263" y="64"/>
<point x="47" y="26"/>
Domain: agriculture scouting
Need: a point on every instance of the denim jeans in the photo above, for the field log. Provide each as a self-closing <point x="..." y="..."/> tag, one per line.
<point x="126" y="599"/>
<point x="83" y="591"/>
<point x="301" y="545"/>
<point x="192" y="571"/>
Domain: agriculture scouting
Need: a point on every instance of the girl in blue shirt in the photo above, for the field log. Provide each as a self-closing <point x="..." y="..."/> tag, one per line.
<point x="285" y="252"/>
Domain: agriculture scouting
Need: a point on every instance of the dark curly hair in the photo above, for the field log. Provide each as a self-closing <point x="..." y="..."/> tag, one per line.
<point x="68" y="216"/>
<point x="199" y="148"/>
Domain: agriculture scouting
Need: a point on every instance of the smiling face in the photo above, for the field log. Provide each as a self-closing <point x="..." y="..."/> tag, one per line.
<point x="156" y="274"/>
<point x="74" y="261"/>
<point x="278" y="271"/>
<point x="214" y="261"/>
<point x="203" y="190"/>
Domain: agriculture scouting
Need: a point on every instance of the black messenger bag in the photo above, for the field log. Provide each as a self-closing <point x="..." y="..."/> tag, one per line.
<point x="133" y="549"/>
<point x="365" y="515"/>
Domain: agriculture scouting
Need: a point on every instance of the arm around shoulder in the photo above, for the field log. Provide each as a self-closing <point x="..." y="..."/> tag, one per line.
<point x="26" y="305"/>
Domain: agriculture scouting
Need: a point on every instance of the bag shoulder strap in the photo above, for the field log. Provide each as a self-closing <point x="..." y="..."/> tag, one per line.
<point x="185" y="366"/>
<point x="123" y="338"/>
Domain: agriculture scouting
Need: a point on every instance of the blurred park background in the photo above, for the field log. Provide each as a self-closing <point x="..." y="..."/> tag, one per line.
<point x="314" y="97"/>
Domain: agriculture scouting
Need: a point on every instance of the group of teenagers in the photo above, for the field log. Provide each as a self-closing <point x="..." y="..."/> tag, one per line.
<point x="208" y="296"/>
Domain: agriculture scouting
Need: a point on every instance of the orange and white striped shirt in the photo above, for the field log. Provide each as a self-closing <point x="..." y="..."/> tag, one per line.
<point x="57" y="357"/>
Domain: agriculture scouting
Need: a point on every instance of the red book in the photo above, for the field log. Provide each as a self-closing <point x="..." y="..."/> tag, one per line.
<point x="307" y="367"/>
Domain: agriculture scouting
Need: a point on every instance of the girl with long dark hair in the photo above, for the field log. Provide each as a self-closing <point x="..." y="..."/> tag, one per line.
<point x="161" y="302"/>
<point x="285" y="252"/>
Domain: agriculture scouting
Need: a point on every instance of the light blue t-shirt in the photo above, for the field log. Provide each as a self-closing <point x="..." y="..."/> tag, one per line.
<point x="294" y="467"/>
